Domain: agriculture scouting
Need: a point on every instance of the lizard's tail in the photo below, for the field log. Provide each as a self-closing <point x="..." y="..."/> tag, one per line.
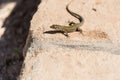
<point x="74" y="14"/>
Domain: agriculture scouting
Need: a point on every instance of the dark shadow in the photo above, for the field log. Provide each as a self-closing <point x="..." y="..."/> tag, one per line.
<point x="13" y="40"/>
<point x="53" y="32"/>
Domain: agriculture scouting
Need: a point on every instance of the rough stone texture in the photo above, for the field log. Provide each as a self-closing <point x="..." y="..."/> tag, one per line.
<point x="92" y="56"/>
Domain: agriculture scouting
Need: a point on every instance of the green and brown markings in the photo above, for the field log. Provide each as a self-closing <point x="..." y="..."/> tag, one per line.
<point x="72" y="27"/>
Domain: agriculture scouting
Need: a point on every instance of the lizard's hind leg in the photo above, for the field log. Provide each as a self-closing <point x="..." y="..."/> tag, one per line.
<point x="80" y="30"/>
<point x="71" y="23"/>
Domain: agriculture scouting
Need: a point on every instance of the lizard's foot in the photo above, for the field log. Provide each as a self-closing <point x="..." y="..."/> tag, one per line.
<point x="81" y="31"/>
<point x="66" y="34"/>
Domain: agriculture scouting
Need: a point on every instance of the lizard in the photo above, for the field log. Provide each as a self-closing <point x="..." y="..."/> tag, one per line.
<point x="72" y="27"/>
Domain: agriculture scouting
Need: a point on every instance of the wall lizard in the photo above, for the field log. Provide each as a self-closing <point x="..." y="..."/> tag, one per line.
<point x="72" y="27"/>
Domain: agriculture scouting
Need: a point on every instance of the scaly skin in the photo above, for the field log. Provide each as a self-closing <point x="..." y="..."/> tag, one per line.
<point x="72" y="26"/>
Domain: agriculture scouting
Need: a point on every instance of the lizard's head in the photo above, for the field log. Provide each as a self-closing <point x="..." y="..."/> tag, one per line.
<point x="55" y="26"/>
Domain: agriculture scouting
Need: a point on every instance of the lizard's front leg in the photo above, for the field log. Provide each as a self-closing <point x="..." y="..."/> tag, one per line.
<point x="65" y="33"/>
